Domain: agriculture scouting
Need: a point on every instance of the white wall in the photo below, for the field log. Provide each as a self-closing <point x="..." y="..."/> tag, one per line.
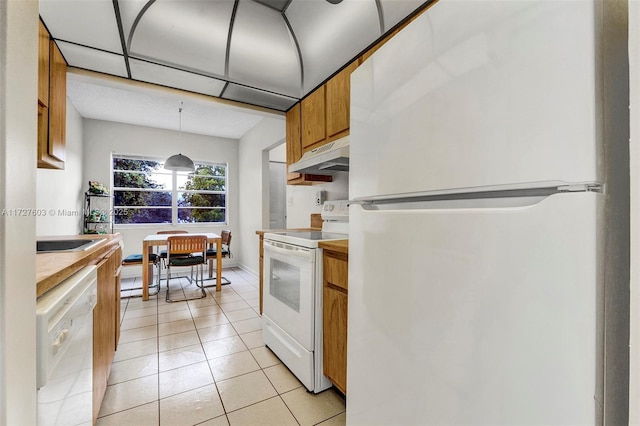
<point x="279" y="153"/>
<point x="254" y="188"/>
<point x="104" y="137"/>
<point x="301" y="199"/>
<point x="18" y="141"/>
<point x="256" y="149"/>
<point x="59" y="192"/>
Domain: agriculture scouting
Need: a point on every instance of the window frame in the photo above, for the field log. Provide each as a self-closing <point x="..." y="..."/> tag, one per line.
<point x="174" y="192"/>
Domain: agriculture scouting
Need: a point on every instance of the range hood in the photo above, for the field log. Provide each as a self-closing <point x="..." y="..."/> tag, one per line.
<point x="324" y="160"/>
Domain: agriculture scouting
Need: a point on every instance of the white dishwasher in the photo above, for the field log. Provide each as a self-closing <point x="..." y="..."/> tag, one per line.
<point x="65" y="350"/>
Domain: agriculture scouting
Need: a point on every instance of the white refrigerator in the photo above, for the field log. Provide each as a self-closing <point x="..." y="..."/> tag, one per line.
<point x="478" y="204"/>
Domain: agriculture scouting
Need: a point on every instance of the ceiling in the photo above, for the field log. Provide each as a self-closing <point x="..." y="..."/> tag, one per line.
<point x="264" y="53"/>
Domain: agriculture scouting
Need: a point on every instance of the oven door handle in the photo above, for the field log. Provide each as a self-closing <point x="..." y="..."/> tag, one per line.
<point x="287" y="249"/>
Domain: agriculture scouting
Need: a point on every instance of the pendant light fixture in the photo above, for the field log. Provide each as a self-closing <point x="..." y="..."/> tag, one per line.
<point x="179" y="162"/>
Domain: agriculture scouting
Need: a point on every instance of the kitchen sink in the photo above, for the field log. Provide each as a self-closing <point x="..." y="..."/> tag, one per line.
<point x="48" y="246"/>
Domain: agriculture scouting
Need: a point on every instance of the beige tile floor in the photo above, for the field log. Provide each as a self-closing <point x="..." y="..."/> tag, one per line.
<point x="203" y="362"/>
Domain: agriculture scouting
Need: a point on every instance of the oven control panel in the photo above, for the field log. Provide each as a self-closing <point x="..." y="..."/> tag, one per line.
<point x="335" y="210"/>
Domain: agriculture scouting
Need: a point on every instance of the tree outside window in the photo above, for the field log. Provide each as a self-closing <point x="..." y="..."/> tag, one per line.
<point x="144" y="192"/>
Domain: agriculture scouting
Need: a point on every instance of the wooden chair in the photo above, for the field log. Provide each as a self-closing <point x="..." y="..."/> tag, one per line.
<point x="187" y="250"/>
<point x="212" y="253"/>
<point x="163" y="253"/>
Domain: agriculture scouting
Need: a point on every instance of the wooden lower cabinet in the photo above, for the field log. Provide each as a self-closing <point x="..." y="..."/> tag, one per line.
<point x="261" y="273"/>
<point x="106" y="324"/>
<point x="118" y="284"/>
<point x="334" y="314"/>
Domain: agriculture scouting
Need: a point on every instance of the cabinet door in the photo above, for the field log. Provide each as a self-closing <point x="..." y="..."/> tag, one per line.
<point x="104" y="327"/>
<point x="43" y="65"/>
<point x="338" y="101"/>
<point x="52" y="105"/>
<point x="261" y="267"/>
<point x="334" y="311"/>
<point x="117" y="283"/>
<point x="294" y="150"/>
<point x="294" y="144"/>
<point x="313" y="118"/>
<point x="57" y="103"/>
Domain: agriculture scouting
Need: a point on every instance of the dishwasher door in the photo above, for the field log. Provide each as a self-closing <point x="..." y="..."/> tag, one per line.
<point x="65" y="350"/>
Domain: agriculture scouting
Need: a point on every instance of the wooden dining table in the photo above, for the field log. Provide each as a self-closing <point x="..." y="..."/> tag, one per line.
<point x="154" y="240"/>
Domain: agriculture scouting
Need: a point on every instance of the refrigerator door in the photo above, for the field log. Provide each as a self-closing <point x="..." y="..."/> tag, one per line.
<point x="476" y="315"/>
<point x="479" y="93"/>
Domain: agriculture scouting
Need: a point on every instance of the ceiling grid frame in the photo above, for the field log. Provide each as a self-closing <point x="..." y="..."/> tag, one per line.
<point x="252" y="93"/>
<point x="297" y="44"/>
<point x="125" y="51"/>
<point x="229" y="36"/>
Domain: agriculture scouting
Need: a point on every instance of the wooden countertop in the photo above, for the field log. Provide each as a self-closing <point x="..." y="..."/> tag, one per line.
<point x="53" y="268"/>
<point x="261" y="232"/>
<point x="340" y="246"/>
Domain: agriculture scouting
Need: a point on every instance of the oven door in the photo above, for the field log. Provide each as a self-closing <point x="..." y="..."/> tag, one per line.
<point x="289" y="276"/>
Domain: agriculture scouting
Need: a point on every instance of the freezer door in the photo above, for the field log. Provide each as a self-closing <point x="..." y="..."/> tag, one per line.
<point x="479" y="93"/>
<point x="476" y="316"/>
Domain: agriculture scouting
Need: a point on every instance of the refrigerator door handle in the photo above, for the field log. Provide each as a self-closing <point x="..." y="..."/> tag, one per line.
<point x="482" y="197"/>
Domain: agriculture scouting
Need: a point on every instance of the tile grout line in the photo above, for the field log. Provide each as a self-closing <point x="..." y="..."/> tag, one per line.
<point x="217" y="304"/>
<point x="208" y="360"/>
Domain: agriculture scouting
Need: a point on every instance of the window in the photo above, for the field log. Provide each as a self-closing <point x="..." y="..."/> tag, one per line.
<point x="144" y="192"/>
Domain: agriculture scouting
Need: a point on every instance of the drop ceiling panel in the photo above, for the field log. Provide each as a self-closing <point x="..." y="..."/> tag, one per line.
<point x="186" y="34"/>
<point x="171" y="77"/>
<point x="92" y="59"/>
<point x="129" y="11"/>
<point x="330" y="35"/>
<point x="123" y="106"/>
<point x="114" y="100"/>
<point x="278" y="5"/>
<point x="256" y="97"/>
<point x="91" y="23"/>
<point x="221" y="121"/>
<point x="395" y="11"/>
<point x="273" y="58"/>
<point x="262" y="52"/>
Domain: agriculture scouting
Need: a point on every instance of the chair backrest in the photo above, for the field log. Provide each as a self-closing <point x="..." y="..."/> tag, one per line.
<point x="177" y="231"/>
<point x="226" y="237"/>
<point x="187" y="244"/>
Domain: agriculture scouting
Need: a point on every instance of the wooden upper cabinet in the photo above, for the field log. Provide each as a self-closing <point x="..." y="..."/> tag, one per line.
<point x="325" y="112"/>
<point x="43" y="65"/>
<point x="294" y="148"/>
<point x="337" y="99"/>
<point x="52" y="102"/>
<point x="313" y="118"/>
<point x="57" y="103"/>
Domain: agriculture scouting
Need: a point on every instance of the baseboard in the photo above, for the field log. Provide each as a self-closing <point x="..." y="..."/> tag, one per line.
<point x="248" y="270"/>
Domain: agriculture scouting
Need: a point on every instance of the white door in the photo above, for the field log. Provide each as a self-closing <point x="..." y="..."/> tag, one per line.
<point x="289" y="275"/>
<point x="476" y="315"/>
<point x="277" y="195"/>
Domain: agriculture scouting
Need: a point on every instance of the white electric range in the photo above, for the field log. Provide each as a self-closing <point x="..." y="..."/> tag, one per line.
<point x="292" y="307"/>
